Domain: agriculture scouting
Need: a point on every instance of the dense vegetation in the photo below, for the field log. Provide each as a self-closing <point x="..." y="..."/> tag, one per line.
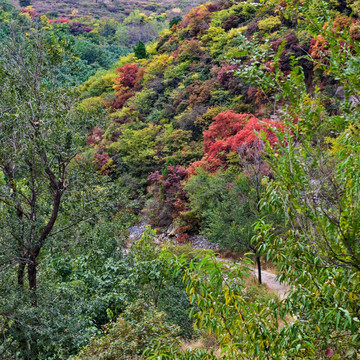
<point x="111" y="9"/>
<point x="241" y="124"/>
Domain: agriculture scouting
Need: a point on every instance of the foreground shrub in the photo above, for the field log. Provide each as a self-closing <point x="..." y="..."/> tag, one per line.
<point x="140" y="327"/>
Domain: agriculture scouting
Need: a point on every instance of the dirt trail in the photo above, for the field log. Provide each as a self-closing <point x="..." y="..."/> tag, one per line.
<point x="270" y="280"/>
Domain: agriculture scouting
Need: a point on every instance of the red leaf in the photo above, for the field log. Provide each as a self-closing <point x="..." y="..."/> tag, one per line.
<point x="329" y="352"/>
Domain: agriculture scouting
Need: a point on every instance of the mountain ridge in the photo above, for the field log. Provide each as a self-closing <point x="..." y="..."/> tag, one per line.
<point x="117" y="9"/>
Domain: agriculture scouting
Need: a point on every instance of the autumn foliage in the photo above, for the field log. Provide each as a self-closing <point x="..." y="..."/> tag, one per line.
<point x="169" y="194"/>
<point x="126" y="84"/>
<point x="228" y="133"/>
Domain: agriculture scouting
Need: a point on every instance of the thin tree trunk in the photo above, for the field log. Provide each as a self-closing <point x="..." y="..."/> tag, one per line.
<point x="259" y="268"/>
<point x="32" y="277"/>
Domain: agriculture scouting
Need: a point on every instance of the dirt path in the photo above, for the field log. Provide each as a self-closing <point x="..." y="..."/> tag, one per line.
<point x="270" y="280"/>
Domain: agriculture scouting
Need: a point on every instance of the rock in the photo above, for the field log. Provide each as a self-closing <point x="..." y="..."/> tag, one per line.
<point x="136" y="231"/>
<point x="200" y="242"/>
<point x="172" y="230"/>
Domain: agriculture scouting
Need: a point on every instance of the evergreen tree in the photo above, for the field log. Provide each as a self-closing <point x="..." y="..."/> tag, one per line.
<point x="140" y="50"/>
<point x="25" y="3"/>
<point x="174" y="21"/>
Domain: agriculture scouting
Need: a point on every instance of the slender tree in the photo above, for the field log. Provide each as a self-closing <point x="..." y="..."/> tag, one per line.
<point x="42" y="131"/>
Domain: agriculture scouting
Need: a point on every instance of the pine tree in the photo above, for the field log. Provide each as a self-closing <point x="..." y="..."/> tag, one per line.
<point x="25" y="3"/>
<point x="140" y="50"/>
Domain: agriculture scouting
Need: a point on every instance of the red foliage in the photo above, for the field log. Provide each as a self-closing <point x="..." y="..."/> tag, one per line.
<point x="231" y="132"/>
<point x="224" y="126"/>
<point x="95" y="137"/>
<point x="79" y="28"/>
<point x="183" y="237"/>
<point x="127" y="75"/>
<point x="196" y="21"/>
<point x="101" y="160"/>
<point x="248" y="135"/>
<point x="170" y="194"/>
<point x="126" y="84"/>
<point x="33" y="13"/>
<point x="60" y="21"/>
<point x="171" y="182"/>
<point x="209" y="164"/>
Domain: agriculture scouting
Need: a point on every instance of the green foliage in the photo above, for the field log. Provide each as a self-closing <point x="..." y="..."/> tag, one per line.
<point x="297" y="62"/>
<point x="143" y="100"/>
<point x="167" y="294"/>
<point x="223" y="202"/>
<point x="48" y="130"/>
<point x="141" y="327"/>
<point x="218" y="290"/>
<point x="270" y="24"/>
<point x="354" y="6"/>
<point x="25" y="3"/>
<point x="6" y="5"/>
<point x="137" y="148"/>
<point x="140" y="50"/>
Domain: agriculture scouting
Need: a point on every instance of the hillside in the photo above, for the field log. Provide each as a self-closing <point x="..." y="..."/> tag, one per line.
<point x="121" y="160"/>
<point x="112" y="9"/>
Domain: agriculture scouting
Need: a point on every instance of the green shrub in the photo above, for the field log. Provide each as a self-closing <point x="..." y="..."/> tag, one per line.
<point x="272" y="23"/>
<point x="174" y="301"/>
<point x="140" y="327"/>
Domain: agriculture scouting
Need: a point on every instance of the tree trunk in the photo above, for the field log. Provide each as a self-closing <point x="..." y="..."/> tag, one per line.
<point x="259" y="268"/>
<point x="32" y="277"/>
<point x="21" y="274"/>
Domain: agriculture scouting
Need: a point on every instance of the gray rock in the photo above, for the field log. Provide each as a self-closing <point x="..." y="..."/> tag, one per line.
<point x="172" y="230"/>
<point x="200" y="242"/>
<point x="136" y="231"/>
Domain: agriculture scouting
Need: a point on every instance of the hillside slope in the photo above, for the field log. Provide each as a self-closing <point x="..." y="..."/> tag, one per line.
<point x="117" y="9"/>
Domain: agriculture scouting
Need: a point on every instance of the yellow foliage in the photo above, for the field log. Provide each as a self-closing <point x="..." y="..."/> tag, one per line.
<point x="271" y="23"/>
<point x="158" y="64"/>
<point x="100" y="83"/>
<point x="92" y="102"/>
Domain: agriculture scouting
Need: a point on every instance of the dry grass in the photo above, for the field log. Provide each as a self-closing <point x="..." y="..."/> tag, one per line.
<point x="204" y="341"/>
<point x="231" y="256"/>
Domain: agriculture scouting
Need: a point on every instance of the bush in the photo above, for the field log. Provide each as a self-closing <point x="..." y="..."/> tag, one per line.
<point x="140" y="327"/>
<point x="174" y="301"/>
<point x="272" y="23"/>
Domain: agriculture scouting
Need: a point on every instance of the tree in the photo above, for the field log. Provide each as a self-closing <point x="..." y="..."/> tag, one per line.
<point x="42" y="176"/>
<point x="25" y="3"/>
<point x="140" y="50"/>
